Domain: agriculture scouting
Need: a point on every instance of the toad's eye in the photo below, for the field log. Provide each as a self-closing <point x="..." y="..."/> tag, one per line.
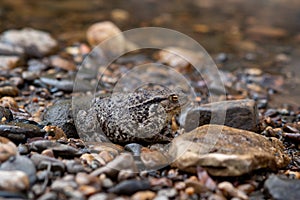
<point x="173" y="98"/>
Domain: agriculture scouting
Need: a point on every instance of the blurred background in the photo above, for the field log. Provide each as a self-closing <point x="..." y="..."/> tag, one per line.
<point x="237" y="33"/>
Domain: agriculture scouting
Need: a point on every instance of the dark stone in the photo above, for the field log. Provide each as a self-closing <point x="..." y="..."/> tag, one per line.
<point x="4" y="112"/>
<point x="20" y="132"/>
<point x="60" y="114"/>
<point x="41" y="162"/>
<point x="281" y="188"/>
<point x="21" y="163"/>
<point x="241" y="114"/>
<point x="130" y="187"/>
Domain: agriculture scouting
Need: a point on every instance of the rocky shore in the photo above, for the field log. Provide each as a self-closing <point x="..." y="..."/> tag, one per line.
<point x="254" y="154"/>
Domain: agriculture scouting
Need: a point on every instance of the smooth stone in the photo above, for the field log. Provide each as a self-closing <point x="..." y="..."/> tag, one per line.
<point x="60" y="114"/>
<point x="281" y="188"/>
<point x="61" y="84"/>
<point x="5" y="113"/>
<point x="143" y="195"/>
<point x="124" y="161"/>
<point x="8" y="90"/>
<point x="129" y="187"/>
<point x="7" y="149"/>
<point x="14" y="181"/>
<point x="226" y="151"/>
<point x="241" y="114"/>
<point x="20" y="132"/>
<point x="229" y="190"/>
<point x="35" y="42"/>
<point x="37" y="66"/>
<point x="74" y="166"/>
<point x="169" y="192"/>
<point x="58" y="149"/>
<point x="48" y="196"/>
<point x="9" y="62"/>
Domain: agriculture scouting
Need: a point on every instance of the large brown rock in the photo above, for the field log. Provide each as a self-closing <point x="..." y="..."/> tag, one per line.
<point x="226" y="151"/>
<point x="240" y="114"/>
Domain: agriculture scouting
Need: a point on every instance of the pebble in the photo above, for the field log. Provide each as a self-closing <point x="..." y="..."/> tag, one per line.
<point x="37" y="66"/>
<point x="124" y="161"/>
<point x="57" y="61"/>
<point x="281" y="188"/>
<point x="61" y="84"/>
<point x="42" y="162"/>
<point x="74" y="166"/>
<point x="5" y="114"/>
<point x="88" y="185"/>
<point x="60" y="114"/>
<point x="101" y="31"/>
<point x="99" y="196"/>
<point x="11" y="91"/>
<point x="20" y="132"/>
<point x="226" y="151"/>
<point x="242" y="114"/>
<point x="7" y="149"/>
<point x="14" y="181"/>
<point x="92" y="160"/>
<point x="129" y="187"/>
<point x="169" y="192"/>
<point x="153" y="159"/>
<point x="35" y="42"/>
<point x="9" y="102"/>
<point x="265" y="31"/>
<point x="143" y="195"/>
<point x="55" y="132"/>
<point x="230" y="191"/>
<point x="20" y="163"/>
<point x="179" y="57"/>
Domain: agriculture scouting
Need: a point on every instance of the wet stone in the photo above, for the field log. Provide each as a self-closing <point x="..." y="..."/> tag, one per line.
<point x="14" y="181"/>
<point x="242" y="114"/>
<point x="226" y="151"/>
<point x="35" y="43"/>
<point x="130" y="187"/>
<point x="281" y="188"/>
<point x="20" y="163"/>
<point x="60" y="114"/>
<point x="20" y="132"/>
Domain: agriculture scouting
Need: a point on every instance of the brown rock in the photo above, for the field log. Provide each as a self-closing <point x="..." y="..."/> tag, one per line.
<point x="240" y="114"/>
<point x="229" y="190"/>
<point x="9" y="91"/>
<point x="14" y="181"/>
<point x="7" y="149"/>
<point x="226" y="151"/>
<point x="9" y="102"/>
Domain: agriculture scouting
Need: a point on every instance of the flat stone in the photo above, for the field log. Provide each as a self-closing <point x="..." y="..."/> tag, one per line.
<point x="9" y="91"/>
<point x="14" y="181"/>
<point x="281" y="188"/>
<point x="226" y="151"/>
<point x="35" y="42"/>
<point x="241" y="114"/>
